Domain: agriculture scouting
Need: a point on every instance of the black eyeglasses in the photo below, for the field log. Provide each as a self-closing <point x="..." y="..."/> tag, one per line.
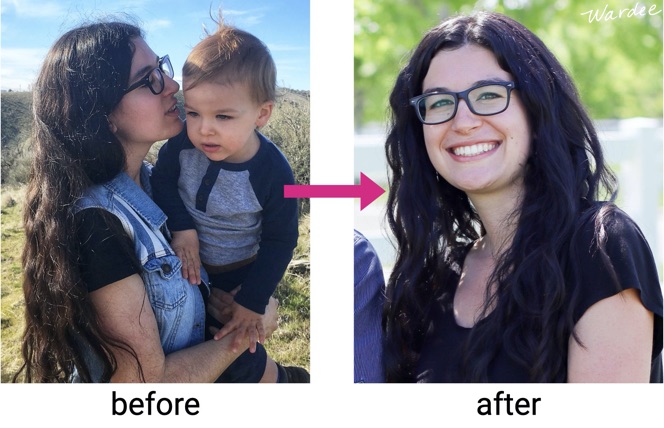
<point x="485" y="99"/>
<point x="155" y="79"/>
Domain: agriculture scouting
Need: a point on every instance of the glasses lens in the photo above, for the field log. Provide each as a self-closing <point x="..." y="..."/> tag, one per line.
<point x="436" y="108"/>
<point x="156" y="80"/>
<point x="166" y="66"/>
<point x="489" y="99"/>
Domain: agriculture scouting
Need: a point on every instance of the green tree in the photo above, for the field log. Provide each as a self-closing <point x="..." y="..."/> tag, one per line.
<point x="616" y="63"/>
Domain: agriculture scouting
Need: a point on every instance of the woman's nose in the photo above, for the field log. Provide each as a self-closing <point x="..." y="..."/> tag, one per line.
<point x="170" y="85"/>
<point x="465" y="120"/>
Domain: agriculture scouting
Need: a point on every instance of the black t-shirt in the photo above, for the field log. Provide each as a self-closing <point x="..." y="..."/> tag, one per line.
<point x="105" y="251"/>
<point x="633" y="262"/>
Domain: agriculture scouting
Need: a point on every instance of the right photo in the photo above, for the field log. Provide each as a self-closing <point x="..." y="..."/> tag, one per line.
<point x="520" y="237"/>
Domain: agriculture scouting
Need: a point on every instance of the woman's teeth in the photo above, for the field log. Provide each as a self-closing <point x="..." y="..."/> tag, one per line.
<point x="473" y="150"/>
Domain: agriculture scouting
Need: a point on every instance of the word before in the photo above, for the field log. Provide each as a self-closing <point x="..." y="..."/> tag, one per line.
<point x="522" y="405"/>
<point x="604" y="15"/>
<point x="163" y="406"/>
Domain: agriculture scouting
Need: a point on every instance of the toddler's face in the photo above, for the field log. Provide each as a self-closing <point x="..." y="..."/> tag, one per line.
<point x="221" y="120"/>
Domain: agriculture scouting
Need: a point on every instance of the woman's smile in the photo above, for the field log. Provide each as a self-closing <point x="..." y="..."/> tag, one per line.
<point x="474" y="151"/>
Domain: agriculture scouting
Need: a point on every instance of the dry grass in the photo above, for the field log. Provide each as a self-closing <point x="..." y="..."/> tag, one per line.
<point x="11" y="296"/>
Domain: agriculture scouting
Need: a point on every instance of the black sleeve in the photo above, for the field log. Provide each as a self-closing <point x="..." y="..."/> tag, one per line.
<point x="106" y="252"/>
<point x="279" y="233"/>
<point x="630" y="258"/>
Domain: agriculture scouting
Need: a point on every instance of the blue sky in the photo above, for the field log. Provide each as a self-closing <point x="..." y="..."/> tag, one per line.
<point x="29" y="28"/>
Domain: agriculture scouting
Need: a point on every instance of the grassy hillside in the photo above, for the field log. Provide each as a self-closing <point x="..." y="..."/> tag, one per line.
<point x="16" y="128"/>
<point x="16" y="117"/>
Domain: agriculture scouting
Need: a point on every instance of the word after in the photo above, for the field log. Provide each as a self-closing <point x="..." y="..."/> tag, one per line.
<point x="522" y="406"/>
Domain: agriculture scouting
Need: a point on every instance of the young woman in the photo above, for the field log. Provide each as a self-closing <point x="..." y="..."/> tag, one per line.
<point x="105" y="299"/>
<point x="509" y="267"/>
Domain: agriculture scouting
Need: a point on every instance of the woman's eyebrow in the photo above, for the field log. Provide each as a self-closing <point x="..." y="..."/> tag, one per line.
<point x="477" y="83"/>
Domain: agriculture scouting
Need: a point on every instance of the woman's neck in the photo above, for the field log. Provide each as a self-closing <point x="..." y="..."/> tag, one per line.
<point x="134" y="159"/>
<point x="497" y="212"/>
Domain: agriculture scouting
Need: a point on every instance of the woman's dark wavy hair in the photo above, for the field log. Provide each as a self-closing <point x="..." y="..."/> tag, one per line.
<point x="434" y="222"/>
<point x="80" y="83"/>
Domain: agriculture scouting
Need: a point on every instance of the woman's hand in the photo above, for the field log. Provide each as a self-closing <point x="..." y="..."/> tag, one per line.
<point x="222" y="306"/>
<point x="247" y="324"/>
<point x="271" y="317"/>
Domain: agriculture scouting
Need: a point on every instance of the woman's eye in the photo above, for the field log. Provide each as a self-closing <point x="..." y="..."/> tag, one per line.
<point x="442" y="103"/>
<point x="488" y="96"/>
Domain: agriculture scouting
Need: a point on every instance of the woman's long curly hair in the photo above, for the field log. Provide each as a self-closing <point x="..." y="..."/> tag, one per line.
<point x="433" y="221"/>
<point x="80" y="83"/>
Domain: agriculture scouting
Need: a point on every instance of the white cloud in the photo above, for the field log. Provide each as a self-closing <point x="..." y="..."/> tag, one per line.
<point x="19" y="67"/>
<point x="156" y="24"/>
<point x="244" y="18"/>
<point x="33" y="9"/>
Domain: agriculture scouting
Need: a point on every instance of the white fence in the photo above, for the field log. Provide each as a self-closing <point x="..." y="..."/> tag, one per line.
<point x="633" y="149"/>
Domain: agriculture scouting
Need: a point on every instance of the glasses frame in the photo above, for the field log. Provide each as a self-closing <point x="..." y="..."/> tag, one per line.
<point x="160" y="73"/>
<point x="464" y="96"/>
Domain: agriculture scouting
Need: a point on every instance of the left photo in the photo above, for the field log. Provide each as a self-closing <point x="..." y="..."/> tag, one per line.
<point x="145" y="232"/>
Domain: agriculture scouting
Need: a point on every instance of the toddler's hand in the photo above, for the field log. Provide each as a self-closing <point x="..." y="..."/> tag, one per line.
<point x="185" y="245"/>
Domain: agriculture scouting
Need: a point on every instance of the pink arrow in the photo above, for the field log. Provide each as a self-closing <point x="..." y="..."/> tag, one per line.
<point x="367" y="191"/>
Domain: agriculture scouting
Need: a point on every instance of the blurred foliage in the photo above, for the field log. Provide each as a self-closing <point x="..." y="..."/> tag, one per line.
<point x="616" y="63"/>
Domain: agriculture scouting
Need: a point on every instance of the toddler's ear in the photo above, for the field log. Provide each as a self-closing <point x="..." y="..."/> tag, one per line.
<point x="264" y="114"/>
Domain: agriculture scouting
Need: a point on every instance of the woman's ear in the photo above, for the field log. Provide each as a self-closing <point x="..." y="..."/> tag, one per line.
<point x="111" y="126"/>
<point x="264" y="114"/>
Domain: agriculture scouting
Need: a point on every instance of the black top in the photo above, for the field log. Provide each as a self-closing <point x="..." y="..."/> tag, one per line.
<point x="634" y="265"/>
<point x="105" y="255"/>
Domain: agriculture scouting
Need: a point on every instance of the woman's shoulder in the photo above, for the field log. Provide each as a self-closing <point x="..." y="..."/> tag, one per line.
<point x="604" y="226"/>
<point x="105" y="249"/>
<point x="613" y="255"/>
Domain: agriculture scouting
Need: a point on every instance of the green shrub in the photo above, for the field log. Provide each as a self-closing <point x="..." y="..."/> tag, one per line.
<point x="288" y="128"/>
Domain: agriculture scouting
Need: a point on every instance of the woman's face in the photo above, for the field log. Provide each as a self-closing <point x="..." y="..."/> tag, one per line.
<point x="142" y="118"/>
<point x="476" y="154"/>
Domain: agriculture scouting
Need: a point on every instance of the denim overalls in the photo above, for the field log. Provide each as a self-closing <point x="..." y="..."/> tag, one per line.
<point x="178" y="306"/>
